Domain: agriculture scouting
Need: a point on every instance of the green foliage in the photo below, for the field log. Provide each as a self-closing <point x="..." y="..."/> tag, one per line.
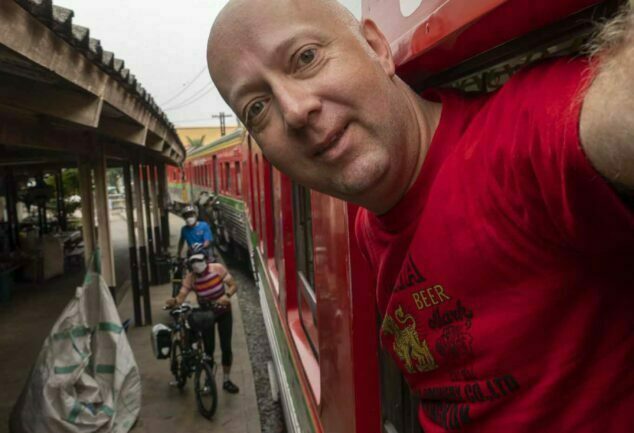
<point x="70" y="180"/>
<point x="196" y="142"/>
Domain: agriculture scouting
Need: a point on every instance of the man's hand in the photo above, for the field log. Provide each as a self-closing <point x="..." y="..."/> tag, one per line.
<point x="224" y="301"/>
<point x="171" y="302"/>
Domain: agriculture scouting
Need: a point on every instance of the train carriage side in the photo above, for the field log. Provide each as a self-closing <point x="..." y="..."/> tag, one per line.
<point x="324" y="356"/>
<point x="217" y="169"/>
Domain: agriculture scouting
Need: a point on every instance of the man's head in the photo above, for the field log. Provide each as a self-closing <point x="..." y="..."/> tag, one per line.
<point x="197" y="262"/>
<point x="190" y="215"/>
<point x="203" y="198"/>
<point x="318" y="93"/>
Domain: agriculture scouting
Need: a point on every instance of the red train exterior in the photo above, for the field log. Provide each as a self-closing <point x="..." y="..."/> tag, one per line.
<point x="316" y="290"/>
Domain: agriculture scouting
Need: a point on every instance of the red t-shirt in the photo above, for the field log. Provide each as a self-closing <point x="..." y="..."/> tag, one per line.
<point x="505" y="273"/>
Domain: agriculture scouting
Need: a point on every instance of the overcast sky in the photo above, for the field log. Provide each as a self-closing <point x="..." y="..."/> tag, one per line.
<point x="164" y="48"/>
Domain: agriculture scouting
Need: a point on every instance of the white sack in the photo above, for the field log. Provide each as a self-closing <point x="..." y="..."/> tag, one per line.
<point x="85" y="378"/>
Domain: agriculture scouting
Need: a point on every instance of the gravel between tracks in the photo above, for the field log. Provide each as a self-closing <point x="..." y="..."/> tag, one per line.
<point x="271" y="417"/>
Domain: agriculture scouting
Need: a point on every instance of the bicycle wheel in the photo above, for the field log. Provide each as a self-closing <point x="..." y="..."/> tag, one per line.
<point x="205" y="389"/>
<point x="176" y="364"/>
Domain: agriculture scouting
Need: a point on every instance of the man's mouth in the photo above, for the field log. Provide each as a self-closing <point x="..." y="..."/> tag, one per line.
<point x="331" y="141"/>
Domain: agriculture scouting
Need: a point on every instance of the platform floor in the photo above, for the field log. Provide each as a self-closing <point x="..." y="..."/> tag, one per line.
<point x="166" y="409"/>
<point x="27" y="319"/>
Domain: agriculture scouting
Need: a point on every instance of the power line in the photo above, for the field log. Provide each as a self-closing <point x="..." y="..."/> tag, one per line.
<point x="187" y="85"/>
<point x="191" y="100"/>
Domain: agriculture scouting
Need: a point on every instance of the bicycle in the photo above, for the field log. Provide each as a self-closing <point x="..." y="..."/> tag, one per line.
<point x="187" y="357"/>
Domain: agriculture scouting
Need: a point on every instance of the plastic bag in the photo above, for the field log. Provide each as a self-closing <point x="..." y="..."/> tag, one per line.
<point x="85" y="378"/>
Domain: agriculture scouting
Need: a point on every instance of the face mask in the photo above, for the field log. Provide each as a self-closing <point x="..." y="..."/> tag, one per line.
<point x="199" y="267"/>
<point x="203" y="199"/>
<point x="191" y="221"/>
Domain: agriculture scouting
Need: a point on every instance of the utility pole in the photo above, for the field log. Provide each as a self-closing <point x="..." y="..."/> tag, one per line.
<point x="222" y="116"/>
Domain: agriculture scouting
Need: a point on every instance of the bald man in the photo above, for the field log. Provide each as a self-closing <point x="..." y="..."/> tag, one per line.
<point x="496" y="225"/>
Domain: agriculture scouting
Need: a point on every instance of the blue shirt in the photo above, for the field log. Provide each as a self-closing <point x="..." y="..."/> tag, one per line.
<point x="199" y="233"/>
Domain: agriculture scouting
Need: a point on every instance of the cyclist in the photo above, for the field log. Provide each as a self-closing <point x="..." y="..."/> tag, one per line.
<point x="213" y="286"/>
<point x="194" y="232"/>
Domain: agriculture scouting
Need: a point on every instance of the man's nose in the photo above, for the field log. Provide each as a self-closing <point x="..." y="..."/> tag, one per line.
<point x="297" y="102"/>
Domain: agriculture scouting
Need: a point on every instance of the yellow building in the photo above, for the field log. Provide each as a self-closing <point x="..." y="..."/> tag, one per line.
<point x="191" y="136"/>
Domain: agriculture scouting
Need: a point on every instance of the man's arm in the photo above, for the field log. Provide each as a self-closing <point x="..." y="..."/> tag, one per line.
<point x="207" y="236"/>
<point x="230" y="284"/>
<point x="607" y="115"/>
<point x="182" y="293"/>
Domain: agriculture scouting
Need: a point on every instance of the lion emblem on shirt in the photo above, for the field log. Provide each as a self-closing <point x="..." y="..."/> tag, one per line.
<point x="414" y="353"/>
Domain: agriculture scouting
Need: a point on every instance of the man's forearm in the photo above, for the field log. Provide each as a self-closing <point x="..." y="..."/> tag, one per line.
<point x="607" y="119"/>
<point x="181" y="296"/>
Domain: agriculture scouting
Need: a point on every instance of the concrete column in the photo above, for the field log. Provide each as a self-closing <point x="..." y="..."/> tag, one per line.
<point x="134" y="264"/>
<point x="148" y="219"/>
<point x="156" y="213"/>
<point x="87" y="210"/>
<point x="145" y="285"/>
<point x="41" y="208"/>
<point x="163" y="203"/>
<point x="103" y="220"/>
<point x="61" y="208"/>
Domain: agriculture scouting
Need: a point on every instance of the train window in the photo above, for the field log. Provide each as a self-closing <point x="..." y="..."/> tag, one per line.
<point x="215" y="172"/>
<point x="276" y="203"/>
<point x="228" y="176"/>
<point x="238" y="179"/>
<point x="258" y="219"/>
<point x="306" y="299"/>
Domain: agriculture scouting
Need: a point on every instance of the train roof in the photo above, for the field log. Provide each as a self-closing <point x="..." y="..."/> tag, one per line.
<point x="228" y="140"/>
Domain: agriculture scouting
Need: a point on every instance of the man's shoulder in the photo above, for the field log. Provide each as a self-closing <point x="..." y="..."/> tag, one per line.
<point x="548" y="79"/>
<point x="218" y="268"/>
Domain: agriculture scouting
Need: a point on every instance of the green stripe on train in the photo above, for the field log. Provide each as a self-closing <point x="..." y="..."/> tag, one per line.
<point x="301" y="405"/>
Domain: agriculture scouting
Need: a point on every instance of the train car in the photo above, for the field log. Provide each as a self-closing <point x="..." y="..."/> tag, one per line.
<point x="316" y="291"/>
<point x="215" y="168"/>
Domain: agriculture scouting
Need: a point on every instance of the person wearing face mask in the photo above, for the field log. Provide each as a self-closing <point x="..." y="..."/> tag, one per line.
<point x="194" y="232"/>
<point x="213" y="286"/>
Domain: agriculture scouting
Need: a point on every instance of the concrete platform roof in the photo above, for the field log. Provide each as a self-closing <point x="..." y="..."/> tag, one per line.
<point x="51" y="67"/>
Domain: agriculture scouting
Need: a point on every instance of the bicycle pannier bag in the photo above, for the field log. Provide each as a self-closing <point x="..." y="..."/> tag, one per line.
<point x="161" y="341"/>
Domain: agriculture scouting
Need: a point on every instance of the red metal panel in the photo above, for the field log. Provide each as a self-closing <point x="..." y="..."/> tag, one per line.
<point x="330" y="242"/>
<point x="364" y="334"/>
<point x="443" y="33"/>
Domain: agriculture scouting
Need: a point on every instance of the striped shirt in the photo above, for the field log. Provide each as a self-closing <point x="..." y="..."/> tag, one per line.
<point x="209" y="286"/>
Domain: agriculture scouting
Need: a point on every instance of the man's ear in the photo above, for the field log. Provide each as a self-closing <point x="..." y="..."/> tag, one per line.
<point x="379" y="44"/>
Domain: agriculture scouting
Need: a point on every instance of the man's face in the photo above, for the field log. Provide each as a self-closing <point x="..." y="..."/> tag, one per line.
<point x="321" y="105"/>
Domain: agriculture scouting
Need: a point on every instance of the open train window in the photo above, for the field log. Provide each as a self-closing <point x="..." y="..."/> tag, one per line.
<point x="306" y="299"/>
<point x="238" y="179"/>
<point x="227" y="176"/>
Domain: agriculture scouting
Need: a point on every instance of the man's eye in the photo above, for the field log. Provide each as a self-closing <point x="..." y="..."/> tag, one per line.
<point x="255" y="109"/>
<point x="306" y="57"/>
